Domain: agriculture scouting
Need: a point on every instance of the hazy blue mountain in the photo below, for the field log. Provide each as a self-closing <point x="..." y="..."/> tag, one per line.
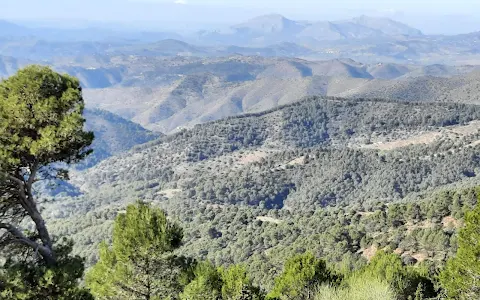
<point x="166" y="47"/>
<point x="10" y="65"/>
<point x="365" y="39"/>
<point x="284" y="49"/>
<point x="331" y="31"/>
<point x="387" y="26"/>
<point x="268" y="29"/>
<point x="95" y="34"/>
<point x="8" y="29"/>
<point x="113" y="135"/>
<point x="270" y="24"/>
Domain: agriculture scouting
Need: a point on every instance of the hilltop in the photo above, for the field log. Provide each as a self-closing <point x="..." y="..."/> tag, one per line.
<point x="113" y="135"/>
<point x="462" y="88"/>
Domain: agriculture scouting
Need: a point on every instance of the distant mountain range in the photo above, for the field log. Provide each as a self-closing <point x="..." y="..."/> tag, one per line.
<point x="364" y="38"/>
<point x="261" y="30"/>
<point x="166" y="82"/>
<point x="270" y="29"/>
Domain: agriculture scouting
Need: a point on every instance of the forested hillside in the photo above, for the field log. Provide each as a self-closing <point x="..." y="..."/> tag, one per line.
<point x="463" y="89"/>
<point x="279" y="167"/>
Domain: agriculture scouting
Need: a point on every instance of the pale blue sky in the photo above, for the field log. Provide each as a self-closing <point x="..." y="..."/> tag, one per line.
<point x="428" y="15"/>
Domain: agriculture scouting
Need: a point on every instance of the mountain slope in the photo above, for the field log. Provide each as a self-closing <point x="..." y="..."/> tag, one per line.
<point x="201" y="98"/>
<point x="167" y="94"/>
<point x="269" y="24"/>
<point x="463" y="88"/>
<point x="280" y="171"/>
<point x="8" y="29"/>
<point x="387" y="26"/>
<point x="10" y="65"/>
<point x="210" y="89"/>
<point x="333" y="123"/>
<point x="113" y="135"/>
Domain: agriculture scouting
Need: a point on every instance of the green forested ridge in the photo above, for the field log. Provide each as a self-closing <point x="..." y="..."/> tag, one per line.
<point x="263" y="239"/>
<point x="311" y="123"/>
<point x="140" y="265"/>
<point x="265" y="194"/>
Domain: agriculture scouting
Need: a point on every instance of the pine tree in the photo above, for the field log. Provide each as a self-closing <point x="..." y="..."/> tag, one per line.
<point x="41" y="126"/>
<point x="461" y="276"/>
<point x="238" y="286"/>
<point x="301" y="276"/>
<point x="41" y="130"/>
<point x="206" y="285"/>
<point x="33" y="280"/>
<point x="140" y="263"/>
<point x="211" y="283"/>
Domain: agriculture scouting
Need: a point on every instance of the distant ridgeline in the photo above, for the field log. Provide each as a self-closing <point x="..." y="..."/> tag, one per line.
<point x="318" y="175"/>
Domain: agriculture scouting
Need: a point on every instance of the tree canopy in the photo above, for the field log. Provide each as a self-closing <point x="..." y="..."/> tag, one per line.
<point x="461" y="276"/>
<point x="140" y="263"/>
<point x="41" y="130"/>
<point x="302" y="274"/>
<point x="41" y="125"/>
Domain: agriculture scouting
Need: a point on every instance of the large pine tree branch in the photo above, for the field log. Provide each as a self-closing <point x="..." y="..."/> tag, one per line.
<point x="19" y="237"/>
<point x="19" y="182"/>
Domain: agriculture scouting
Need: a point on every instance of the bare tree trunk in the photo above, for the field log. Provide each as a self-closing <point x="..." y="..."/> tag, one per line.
<point x="39" y="223"/>
<point x="27" y="201"/>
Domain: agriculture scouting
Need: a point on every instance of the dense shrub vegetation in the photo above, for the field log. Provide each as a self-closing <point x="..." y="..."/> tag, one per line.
<point x="135" y="269"/>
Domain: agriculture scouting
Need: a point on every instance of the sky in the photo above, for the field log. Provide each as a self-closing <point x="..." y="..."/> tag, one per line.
<point x="439" y="16"/>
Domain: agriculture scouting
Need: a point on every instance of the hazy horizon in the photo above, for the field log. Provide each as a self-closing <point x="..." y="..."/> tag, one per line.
<point x="432" y="17"/>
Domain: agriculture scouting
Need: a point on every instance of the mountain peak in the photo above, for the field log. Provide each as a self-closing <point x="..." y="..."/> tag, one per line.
<point x="8" y="28"/>
<point x="271" y="23"/>
<point x="386" y="25"/>
<point x="269" y="17"/>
